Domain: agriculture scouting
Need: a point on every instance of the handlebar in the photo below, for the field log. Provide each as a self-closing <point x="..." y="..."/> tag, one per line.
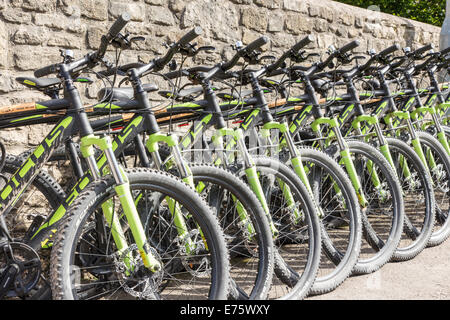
<point x="390" y="50"/>
<point x="445" y="51"/>
<point x="379" y="57"/>
<point x="113" y="32"/>
<point x="421" y="50"/>
<point x="159" y="63"/>
<point x="118" y="25"/>
<point x="258" y="43"/>
<point x="302" y="43"/>
<point x="188" y="37"/>
<point x="45" y="71"/>
<point x="349" y="46"/>
<point x="121" y="70"/>
<point x="438" y="58"/>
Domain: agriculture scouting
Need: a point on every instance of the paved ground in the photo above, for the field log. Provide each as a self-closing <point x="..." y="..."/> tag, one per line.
<point x="426" y="277"/>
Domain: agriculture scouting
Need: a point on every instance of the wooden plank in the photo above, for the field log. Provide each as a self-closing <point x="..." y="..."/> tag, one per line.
<point x="29" y="106"/>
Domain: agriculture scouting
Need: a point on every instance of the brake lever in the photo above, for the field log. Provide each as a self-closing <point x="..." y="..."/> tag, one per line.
<point x="189" y="50"/>
<point x="252" y="57"/>
<point x="110" y="66"/>
<point x="344" y="58"/>
<point x="206" y="48"/>
<point x="126" y="80"/>
<point x="358" y="57"/>
<point x="233" y="74"/>
<point x="138" y="38"/>
<point x="312" y="55"/>
<point x="121" y="41"/>
<point x="396" y="58"/>
<point x="267" y="58"/>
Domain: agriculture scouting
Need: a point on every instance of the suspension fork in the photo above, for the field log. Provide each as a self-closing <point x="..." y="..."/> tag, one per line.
<point x="186" y="176"/>
<point x="250" y="168"/>
<point x="222" y="160"/>
<point x="122" y="188"/>
<point x="372" y="120"/>
<point x="434" y="115"/>
<point x="415" y="141"/>
<point x="296" y="162"/>
<point x="344" y="152"/>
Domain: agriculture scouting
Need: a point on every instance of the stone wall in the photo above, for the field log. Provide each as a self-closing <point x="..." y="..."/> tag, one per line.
<point x="32" y="31"/>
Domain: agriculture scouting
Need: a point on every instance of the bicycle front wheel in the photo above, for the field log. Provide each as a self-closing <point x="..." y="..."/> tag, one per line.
<point x="340" y="221"/>
<point x="383" y="214"/>
<point x="438" y="162"/>
<point x="86" y="263"/>
<point x="418" y="196"/>
<point x="297" y="246"/>
<point x="246" y="229"/>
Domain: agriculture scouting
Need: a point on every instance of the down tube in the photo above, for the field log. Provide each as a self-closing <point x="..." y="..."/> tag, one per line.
<point x="33" y="164"/>
<point x="45" y="232"/>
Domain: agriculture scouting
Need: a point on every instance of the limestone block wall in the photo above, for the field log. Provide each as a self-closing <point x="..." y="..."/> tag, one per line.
<point x="33" y="31"/>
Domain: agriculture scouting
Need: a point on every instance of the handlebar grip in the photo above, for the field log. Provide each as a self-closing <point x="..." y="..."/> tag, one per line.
<point x="119" y="24"/>
<point x="45" y="71"/>
<point x="423" y="49"/>
<point x="258" y="43"/>
<point x="122" y="69"/>
<point x="303" y="43"/>
<point x="390" y="50"/>
<point x="349" y="46"/>
<point x="191" y="35"/>
<point x="176" y="74"/>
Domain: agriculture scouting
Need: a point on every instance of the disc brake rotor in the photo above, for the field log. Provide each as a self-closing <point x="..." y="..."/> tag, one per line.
<point x="135" y="279"/>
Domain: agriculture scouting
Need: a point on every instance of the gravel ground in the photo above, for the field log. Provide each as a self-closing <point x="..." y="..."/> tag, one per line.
<point x="426" y="277"/>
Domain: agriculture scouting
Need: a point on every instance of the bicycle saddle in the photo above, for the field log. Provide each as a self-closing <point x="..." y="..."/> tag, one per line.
<point x="125" y="93"/>
<point x="184" y="95"/>
<point x="235" y="95"/>
<point x="38" y="83"/>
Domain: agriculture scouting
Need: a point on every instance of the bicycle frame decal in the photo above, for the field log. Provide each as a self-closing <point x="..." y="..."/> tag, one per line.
<point x="431" y="100"/>
<point x="249" y="119"/>
<point x="298" y="121"/>
<point x="31" y="167"/>
<point x="191" y="136"/>
<point x="345" y="114"/>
